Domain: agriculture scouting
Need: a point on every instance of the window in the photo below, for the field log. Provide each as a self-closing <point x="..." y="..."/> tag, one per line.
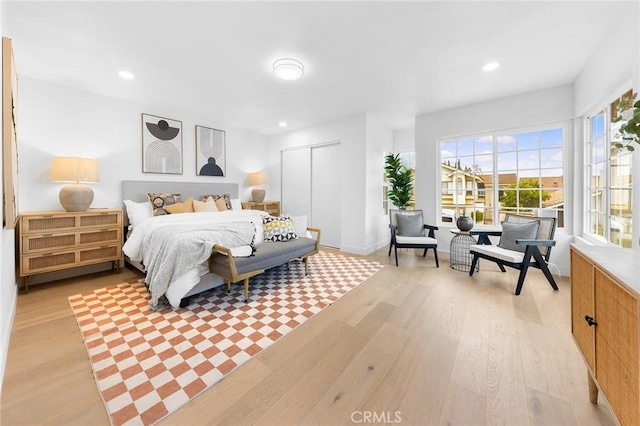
<point x="487" y="176"/>
<point x="609" y="181"/>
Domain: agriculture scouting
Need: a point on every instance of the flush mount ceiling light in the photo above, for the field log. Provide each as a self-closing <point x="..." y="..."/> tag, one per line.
<point x="126" y="75"/>
<point x="288" y="69"/>
<point x="282" y="124"/>
<point x="491" y="66"/>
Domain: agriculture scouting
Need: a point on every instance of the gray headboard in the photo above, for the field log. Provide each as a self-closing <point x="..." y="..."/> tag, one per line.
<point x="136" y="190"/>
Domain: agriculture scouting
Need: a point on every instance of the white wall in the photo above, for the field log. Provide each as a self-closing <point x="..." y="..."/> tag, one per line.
<point x="404" y="140"/>
<point x="8" y="289"/>
<point x="540" y="107"/>
<point x="59" y="121"/>
<point x="380" y="140"/>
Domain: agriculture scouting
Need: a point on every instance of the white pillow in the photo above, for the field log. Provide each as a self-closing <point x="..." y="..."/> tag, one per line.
<point x="205" y="206"/>
<point x="236" y="204"/>
<point x="138" y="212"/>
<point x="300" y="225"/>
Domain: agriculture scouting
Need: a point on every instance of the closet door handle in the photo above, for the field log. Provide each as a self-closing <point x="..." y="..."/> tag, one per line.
<point x="590" y="320"/>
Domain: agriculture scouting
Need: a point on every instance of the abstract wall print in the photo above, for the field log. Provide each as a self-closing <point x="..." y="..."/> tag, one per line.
<point x="161" y="145"/>
<point x="210" y="152"/>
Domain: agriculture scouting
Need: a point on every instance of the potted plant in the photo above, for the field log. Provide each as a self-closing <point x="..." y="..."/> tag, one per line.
<point x="630" y="130"/>
<point x="401" y="180"/>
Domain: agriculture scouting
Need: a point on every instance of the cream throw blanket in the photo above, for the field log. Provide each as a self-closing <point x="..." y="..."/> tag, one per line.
<point x="169" y="246"/>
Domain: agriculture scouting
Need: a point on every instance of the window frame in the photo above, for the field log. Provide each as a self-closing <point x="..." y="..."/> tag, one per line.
<point x="609" y="128"/>
<point x="566" y="126"/>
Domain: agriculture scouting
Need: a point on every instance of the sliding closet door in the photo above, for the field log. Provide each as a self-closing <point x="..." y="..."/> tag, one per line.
<point x="326" y="193"/>
<point x="296" y="182"/>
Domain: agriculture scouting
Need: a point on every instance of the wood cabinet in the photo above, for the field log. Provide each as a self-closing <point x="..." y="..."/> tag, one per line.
<point x="605" y="324"/>
<point x="54" y="241"/>
<point x="271" y="207"/>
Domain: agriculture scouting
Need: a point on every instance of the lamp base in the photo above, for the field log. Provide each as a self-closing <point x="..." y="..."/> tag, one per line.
<point x="257" y="195"/>
<point x="76" y="197"/>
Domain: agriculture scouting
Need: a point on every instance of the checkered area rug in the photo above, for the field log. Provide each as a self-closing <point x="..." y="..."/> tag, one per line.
<point x="147" y="364"/>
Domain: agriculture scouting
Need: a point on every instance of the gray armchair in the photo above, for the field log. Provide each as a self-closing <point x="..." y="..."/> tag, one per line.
<point x="524" y="241"/>
<point x="408" y="230"/>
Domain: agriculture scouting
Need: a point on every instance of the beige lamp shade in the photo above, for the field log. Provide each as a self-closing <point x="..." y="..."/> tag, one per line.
<point x="258" y="180"/>
<point x="74" y="169"/>
<point x="76" y="196"/>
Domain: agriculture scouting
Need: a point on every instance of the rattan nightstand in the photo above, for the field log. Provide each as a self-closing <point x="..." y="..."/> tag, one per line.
<point x="54" y="241"/>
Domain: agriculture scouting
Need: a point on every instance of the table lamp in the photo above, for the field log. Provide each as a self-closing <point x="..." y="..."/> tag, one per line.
<point x="76" y="196"/>
<point x="258" y="180"/>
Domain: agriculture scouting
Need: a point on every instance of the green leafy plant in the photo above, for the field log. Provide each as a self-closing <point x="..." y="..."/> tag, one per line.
<point x="401" y="180"/>
<point x="528" y="197"/>
<point x="629" y="131"/>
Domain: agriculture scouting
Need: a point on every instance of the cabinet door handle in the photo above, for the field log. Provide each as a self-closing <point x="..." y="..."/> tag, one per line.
<point x="590" y="320"/>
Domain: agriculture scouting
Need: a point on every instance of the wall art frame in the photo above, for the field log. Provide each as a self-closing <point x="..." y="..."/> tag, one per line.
<point x="161" y="145"/>
<point x="9" y="136"/>
<point x="211" y="151"/>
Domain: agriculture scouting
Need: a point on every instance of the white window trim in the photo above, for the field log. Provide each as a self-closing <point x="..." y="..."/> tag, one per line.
<point x="567" y="133"/>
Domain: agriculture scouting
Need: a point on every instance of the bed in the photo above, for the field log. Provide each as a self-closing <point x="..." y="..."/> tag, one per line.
<point x="196" y="279"/>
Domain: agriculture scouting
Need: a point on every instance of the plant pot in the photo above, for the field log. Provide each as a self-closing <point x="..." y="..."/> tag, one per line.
<point x="464" y="223"/>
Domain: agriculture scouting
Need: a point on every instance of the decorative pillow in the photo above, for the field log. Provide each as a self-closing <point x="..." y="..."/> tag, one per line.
<point x="300" y="226"/>
<point x="517" y="231"/>
<point x="138" y="212"/>
<point x="227" y="199"/>
<point x="410" y="225"/>
<point x="221" y="205"/>
<point x="204" y="206"/>
<point x="184" y="207"/>
<point x="158" y="200"/>
<point x="236" y="204"/>
<point x="278" y="228"/>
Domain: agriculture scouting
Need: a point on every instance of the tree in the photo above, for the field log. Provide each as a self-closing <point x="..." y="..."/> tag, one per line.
<point x="528" y="197"/>
<point x="401" y="180"/>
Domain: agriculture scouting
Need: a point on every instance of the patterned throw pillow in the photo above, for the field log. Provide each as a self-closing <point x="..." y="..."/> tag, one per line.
<point x="278" y="228"/>
<point x="226" y="197"/>
<point x="158" y="200"/>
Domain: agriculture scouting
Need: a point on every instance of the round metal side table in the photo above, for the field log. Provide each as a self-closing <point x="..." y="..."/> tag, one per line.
<point x="459" y="257"/>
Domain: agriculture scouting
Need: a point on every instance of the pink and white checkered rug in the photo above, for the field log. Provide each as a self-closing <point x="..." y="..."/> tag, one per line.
<point x="147" y="364"/>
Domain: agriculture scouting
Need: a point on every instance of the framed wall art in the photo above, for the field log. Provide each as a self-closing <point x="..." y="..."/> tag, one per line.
<point x="161" y="145"/>
<point x="210" y="151"/>
<point x="9" y="136"/>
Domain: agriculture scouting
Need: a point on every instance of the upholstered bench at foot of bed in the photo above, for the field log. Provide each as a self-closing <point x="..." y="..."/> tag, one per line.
<point x="267" y="255"/>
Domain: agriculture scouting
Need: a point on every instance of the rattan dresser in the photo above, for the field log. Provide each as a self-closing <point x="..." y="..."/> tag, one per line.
<point x="54" y="241"/>
<point x="605" y="322"/>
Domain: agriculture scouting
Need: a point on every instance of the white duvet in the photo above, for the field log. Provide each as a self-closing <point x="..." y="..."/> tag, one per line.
<point x="173" y="248"/>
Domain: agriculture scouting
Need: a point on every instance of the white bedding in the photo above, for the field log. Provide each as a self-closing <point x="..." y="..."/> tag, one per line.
<point x="142" y="244"/>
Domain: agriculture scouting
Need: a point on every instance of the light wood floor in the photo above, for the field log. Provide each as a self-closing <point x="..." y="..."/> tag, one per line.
<point x="413" y="345"/>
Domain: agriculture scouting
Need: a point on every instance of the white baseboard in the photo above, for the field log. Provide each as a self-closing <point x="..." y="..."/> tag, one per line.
<point x="6" y="336"/>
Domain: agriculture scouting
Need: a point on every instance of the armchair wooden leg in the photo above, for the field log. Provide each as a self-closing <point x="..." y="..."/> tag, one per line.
<point x="501" y="267"/>
<point x="545" y="269"/>
<point x="523" y="271"/>
<point x="228" y="286"/>
<point x="390" y="247"/>
<point x="435" y="252"/>
<point x="473" y="265"/>
<point x="395" y="248"/>
<point x="246" y="290"/>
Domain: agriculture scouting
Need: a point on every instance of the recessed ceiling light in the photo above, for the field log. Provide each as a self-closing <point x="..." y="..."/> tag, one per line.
<point x="288" y="69"/>
<point x="491" y="66"/>
<point x="282" y="124"/>
<point x="126" y="75"/>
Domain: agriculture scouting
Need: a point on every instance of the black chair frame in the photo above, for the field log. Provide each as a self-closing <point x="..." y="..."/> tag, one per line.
<point x="395" y="245"/>
<point x="532" y="250"/>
